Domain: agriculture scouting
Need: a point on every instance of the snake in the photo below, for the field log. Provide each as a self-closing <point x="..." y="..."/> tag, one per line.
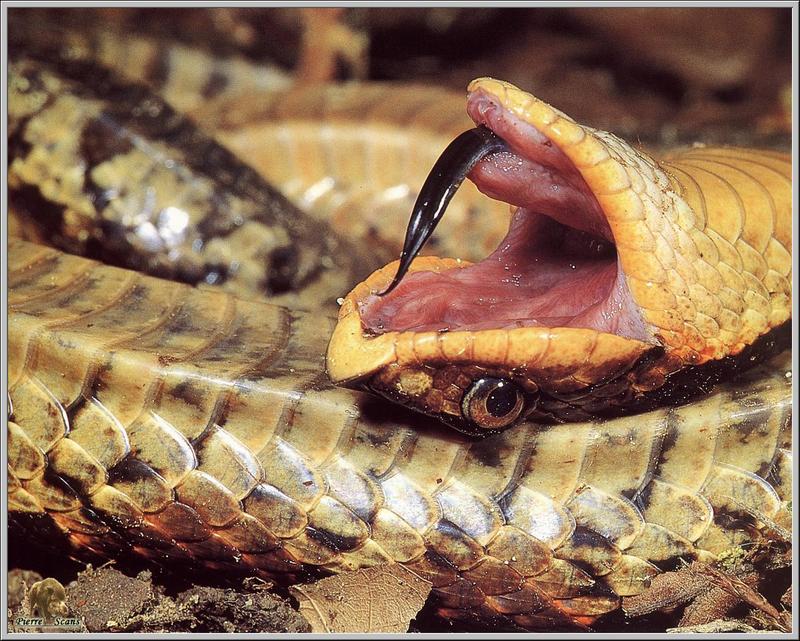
<point x="162" y="408"/>
<point x="599" y="297"/>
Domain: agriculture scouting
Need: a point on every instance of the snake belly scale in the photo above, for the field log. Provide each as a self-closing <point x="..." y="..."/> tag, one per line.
<point x="168" y="422"/>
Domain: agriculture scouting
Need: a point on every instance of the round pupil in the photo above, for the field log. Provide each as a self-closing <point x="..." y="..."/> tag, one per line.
<point x="501" y="400"/>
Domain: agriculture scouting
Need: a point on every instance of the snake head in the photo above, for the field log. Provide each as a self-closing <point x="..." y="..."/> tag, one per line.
<point x="478" y="381"/>
<point x="591" y="302"/>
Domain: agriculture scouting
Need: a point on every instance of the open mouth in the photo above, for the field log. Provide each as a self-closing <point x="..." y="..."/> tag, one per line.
<point x="557" y="267"/>
<point x="608" y="293"/>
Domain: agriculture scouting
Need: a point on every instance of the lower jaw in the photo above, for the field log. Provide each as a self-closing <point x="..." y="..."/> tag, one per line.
<point x="542" y="275"/>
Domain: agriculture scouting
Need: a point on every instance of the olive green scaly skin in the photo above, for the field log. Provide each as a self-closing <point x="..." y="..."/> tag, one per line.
<point x="152" y="418"/>
<point x="107" y="168"/>
<point x="360" y="177"/>
<point x="187" y="77"/>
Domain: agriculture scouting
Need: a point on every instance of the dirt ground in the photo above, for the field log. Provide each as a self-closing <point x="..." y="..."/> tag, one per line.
<point x="139" y="598"/>
<point x="659" y="75"/>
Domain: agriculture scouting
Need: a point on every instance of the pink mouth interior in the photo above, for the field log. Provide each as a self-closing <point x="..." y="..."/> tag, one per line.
<point x="556" y="267"/>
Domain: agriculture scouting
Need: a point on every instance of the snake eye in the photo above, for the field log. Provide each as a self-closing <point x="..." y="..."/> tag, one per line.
<point x="492" y="403"/>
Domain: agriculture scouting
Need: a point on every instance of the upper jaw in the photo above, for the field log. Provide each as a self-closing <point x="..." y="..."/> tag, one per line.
<point x="517" y="177"/>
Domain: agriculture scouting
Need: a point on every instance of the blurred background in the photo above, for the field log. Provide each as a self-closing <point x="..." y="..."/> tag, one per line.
<point x="657" y="74"/>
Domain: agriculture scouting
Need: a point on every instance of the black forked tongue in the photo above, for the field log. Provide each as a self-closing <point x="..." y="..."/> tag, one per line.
<point x="440" y="186"/>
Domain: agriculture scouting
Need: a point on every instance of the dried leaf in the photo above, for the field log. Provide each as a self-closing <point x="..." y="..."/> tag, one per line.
<point x="379" y="599"/>
<point x="666" y="591"/>
<point x="709" y="592"/>
<point x="737" y="587"/>
<point x="786" y="599"/>
<point x="715" y="627"/>
<point x="707" y="607"/>
<point x="256" y="583"/>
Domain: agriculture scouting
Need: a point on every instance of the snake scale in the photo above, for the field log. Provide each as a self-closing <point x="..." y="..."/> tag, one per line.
<point x="197" y="425"/>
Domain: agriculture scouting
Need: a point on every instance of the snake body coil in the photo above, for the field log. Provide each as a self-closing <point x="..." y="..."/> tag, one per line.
<point x="166" y="421"/>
